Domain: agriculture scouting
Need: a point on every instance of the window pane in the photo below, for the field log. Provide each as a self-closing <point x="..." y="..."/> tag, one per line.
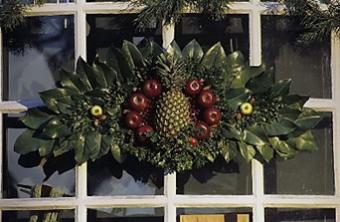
<point x="300" y="215"/>
<point x="107" y="177"/>
<point x="214" y="214"/>
<point x="34" y="53"/>
<point x="218" y="178"/>
<point x="308" y="66"/>
<point x="25" y="216"/>
<point x="22" y="173"/>
<point x="307" y="173"/>
<point x="107" y="30"/>
<point x="232" y="32"/>
<point x="125" y="215"/>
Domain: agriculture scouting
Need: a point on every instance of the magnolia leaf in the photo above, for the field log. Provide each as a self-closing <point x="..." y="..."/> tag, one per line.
<point x="27" y="142"/>
<point x="193" y="51"/>
<point x="93" y="144"/>
<point x="214" y="57"/>
<point x="280" y="89"/>
<point x="55" y="129"/>
<point x="252" y="138"/>
<point x="106" y="144"/>
<point x="308" y="119"/>
<point x="266" y="152"/>
<point x="295" y="99"/>
<point x="46" y="148"/>
<point x="117" y="153"/>
<point x="235" y="62"/>
<point x="227" y="150"/>
<point x="247" y="151"/>
<point x="110" y="74"/>
<point x="119" y="63"/>
<point x="82" y="74"/>
<point x="236" y="97"/>
<point x="281" y="127"/>
<point x="34" y="121"/>
<point x="261" y="83"/>
<point x="232" y="133"/>
<point x="242" y="76"/>
<point x="66" y="81"/>
<point x="132" y="54"/>
<point x="282" y="148"/>
<point x="174" y="51"/>
<point x="51" y="97"/>
<point x="289" y="113"/>
<point x="81" y="154"/>
<point x="151" y="50"/>
<point x="304" y="142"/>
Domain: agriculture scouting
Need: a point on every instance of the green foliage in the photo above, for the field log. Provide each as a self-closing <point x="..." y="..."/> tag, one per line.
<point x="12" y="13"/>
<point x="319" y="23"/>
<point x="279" y="125"/>
<point x="169" y="11"/>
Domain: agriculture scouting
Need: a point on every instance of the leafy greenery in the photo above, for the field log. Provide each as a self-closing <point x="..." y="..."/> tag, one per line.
<point x="319" y="23"/>
<point x="171" y="10"/>
<point x="279" y="125"/>
<point x="12" y="13"/>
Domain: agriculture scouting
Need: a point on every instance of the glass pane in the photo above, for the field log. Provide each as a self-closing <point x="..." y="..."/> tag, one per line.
<point x="25" y="216"/>
<point x="125" y="215"/>
<point x="308" y="66"/>
<point x="23" y="173"/>
<point x="232" y="32"/>
<point x="214" y="215"/>
<point x="300" y="215"/>
<point x="218" y="178"/>
<point x="312" y="173"/>
<point x="34" y="53"/>
<point x="107" y="177"/>
<point x="107" y="30"/>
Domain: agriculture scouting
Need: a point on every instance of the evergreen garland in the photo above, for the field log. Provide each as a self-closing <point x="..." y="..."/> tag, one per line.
<point x="169" y="11"/>
<point x="12" y="13"/>
<point x="318" y="23"/>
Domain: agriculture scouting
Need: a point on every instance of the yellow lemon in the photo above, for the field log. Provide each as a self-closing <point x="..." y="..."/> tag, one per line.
<point x="247" y="108"/>
<point x="96" y="111"/>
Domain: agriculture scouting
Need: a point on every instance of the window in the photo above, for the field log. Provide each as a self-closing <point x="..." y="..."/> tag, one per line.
<point x="303" y="189"/>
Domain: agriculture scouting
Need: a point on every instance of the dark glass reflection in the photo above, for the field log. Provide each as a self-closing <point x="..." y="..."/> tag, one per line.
<point x="106" y="177"/>
<point x="232" y="32"/>
<point x="301" y="215"/>
<point x="312" y="173"/>
<point x="107" y="30"/>
<point x="214" y="214"/>
<point x="307" y="65"/>
<point x="23" y="172"/>
<point x="219" y="178"/>
<point x="125" y="215"/>
<point x="34" y="53"/>
<point x="25" y="216"/>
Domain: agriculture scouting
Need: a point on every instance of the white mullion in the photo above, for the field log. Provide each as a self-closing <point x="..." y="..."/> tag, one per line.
<point x="81" y="171"/>
<point x="255" y="41"/>
<point x="168" y="35"/>
<point x="335" y="65"/>
<point x="258" y="191"/>
<point x="216" y="201"/>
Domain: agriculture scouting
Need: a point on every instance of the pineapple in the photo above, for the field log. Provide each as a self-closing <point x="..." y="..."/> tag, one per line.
<point x="173" y="108"/>
<point x="172" y="113"/>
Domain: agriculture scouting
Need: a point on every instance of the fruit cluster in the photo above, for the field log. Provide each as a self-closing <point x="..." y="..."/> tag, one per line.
<point x="206" y="115"/>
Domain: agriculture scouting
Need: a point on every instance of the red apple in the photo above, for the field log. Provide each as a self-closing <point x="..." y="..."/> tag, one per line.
<point x="133" y="119"/>
<point x="206" y="98"/>
<point x="193" y="87"/>
<point x="203" y="131"/>
<point x="142" y="132"/>
<point x="152" y="88"/>
<point x="138" y="101"/>
<point x="212" y="116"/>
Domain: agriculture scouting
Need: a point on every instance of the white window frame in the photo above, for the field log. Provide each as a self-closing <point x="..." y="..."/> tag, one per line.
<point x="170" y="201"/>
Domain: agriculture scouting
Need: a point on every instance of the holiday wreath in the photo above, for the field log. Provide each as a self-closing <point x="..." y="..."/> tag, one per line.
<point x="175" y="109"/>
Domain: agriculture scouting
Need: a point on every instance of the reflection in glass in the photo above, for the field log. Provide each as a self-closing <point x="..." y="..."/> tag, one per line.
<point x="30" y="170"/>
<point x="232" y="32"/>
<point x="219" y="178"/>
<point x="107" y="30"/>
<point x="125" y="215"/>
<point x="308" y="66"/>
<point x="46" y="216"/>
<point x="109" y="178"/>
<point x="312" y="173"/>
<point x="214" y="214"/>
<point x="300" y="215"/>
<point x="34" y="53"/>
